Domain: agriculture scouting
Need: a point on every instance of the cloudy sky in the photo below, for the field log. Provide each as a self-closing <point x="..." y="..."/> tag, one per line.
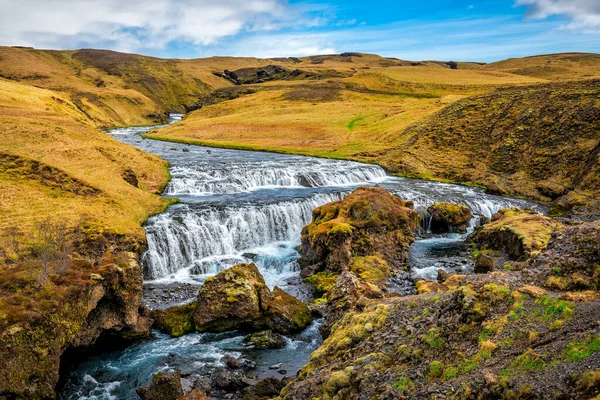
<point x="476" y="30"/>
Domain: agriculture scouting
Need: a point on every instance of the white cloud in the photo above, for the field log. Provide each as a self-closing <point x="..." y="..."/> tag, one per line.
<point x="283" y="45"/>
<point x="584" y="14"/>
<point x="130" y="25"/>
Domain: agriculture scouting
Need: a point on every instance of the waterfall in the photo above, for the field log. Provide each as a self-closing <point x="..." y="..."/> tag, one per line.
<point x="241" y="177"/>
<point x="201" y="238"/>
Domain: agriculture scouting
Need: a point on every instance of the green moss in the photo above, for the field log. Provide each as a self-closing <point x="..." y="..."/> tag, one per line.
<point x="577" y="351"/>
<point x="552" y="307"/>
<point x="323" y="281"/>
<point x="526" y="362"/>
<point x="372" y="269"/>
<point x="434" y="339"/>
<point x="403" y="385"/>
<point x="175" y="321"/>
<point x="436" y="369"/>
<point x="337" y="381"/>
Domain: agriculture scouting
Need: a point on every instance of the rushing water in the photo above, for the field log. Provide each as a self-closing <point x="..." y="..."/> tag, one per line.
<point x="239" y="206"/>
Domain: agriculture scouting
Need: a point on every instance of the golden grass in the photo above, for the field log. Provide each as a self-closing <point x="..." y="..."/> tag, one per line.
<point x="42" y="127"/>
<point x="565" y="66"/>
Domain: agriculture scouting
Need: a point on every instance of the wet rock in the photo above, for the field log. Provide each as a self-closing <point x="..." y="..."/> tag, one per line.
<point x="266" y="340"/>
<point x="448" y="217"/>
<point x="238" y="298"/>
<point x="275" y="366"/>
<point x="284" y="313"/>
<point x="175" y="321"/>
<point x="231" y="300"/>
<point x="484" y="263"/>
<point x="231" y="362"/>
<point x="265" y="388"/>
<point x="164" y="386"/>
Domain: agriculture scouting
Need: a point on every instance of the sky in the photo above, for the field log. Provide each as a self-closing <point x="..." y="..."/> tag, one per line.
<point x="459" y="30"/>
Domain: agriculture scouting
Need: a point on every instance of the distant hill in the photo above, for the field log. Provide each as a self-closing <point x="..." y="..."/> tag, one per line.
<point x="564" y="66"/>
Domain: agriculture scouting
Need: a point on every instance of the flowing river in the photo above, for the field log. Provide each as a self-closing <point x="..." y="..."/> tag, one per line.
<point x="240" y="206"/>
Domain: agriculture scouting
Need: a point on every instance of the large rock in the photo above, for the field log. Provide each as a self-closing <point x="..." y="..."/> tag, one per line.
<point x="164" y="386"/>
<point x="368" y="222"/>
<point x="448" y="217"/>
<point x="236" y="298"/>
<point x="516" y="233"/>
<point x="232" y="300"/>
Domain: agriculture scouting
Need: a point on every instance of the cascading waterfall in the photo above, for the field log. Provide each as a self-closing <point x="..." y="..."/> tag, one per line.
<point x="240" y="177"/>
<point x="185" y="236"/>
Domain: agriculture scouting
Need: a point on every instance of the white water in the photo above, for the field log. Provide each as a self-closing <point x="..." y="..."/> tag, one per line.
<point x="239" y="177"/>
<point x="208" y="239"/>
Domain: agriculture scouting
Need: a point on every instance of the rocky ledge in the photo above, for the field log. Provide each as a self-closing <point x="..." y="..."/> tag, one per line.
<point x="106" y="300"/>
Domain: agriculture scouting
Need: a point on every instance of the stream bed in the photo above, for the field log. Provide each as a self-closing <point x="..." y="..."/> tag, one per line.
<point x="240" y="206"/>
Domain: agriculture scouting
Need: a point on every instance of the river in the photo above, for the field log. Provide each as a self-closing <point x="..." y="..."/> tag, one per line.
<point x="240" y="206"/>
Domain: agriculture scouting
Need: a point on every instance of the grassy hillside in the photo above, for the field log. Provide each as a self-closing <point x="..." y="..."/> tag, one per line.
<point x="56" y="164"/>
<point x="535" y="141"/>
<point x="566" y="66"/>
<point x="342" y="107"/>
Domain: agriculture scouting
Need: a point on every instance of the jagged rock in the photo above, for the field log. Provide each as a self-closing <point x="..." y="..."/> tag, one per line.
<point x="448" y="217"/>
<point x="236" y="298"/>
<point x="30" y="352"/>
<point x="175" y="321"/>
<point x="164" y="386"/>
<point x="266" y="340"/>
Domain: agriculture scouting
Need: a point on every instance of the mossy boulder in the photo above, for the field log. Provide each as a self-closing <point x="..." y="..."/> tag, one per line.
<point x="368" y="222"/>
<point x="231" y="300"/>
<point x="266" y="340"/>
<point x="238" y="298"/>
<point x="175" y="321"/>
<point x="448" y="217"/>
<point x="285" y="313"/>
<point x="164" y="386"/>
<point x="517" y="233"/>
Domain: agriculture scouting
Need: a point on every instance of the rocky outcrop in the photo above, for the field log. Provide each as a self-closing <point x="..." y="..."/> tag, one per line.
<point x="108" y="302"/>
<point x="236" y="298"/>
<point x="232" y="300"/>
<point x="517" y="234"/>
<point x="489" y="337"/>
<point x="352" y="247"/>
<point x="368" y="222"/>
<point x="448" y="217"/>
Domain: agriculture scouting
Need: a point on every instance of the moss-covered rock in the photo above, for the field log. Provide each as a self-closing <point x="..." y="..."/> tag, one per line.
<point x="266" y="340"/>
<point x="175" y="321"/>
<point x="368" y="222"/>
<point x="448" y="217"/>
<point x="231" y="300"/>
<point x="164" y="386"/>
<point x="238" y="298"/>
<point x="284" y="313"/>
<point x="518" y="233"/>
<point x="30" y="350"/>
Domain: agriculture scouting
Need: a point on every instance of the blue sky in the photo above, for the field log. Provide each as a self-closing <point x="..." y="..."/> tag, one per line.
<point x="458" y="30"/>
